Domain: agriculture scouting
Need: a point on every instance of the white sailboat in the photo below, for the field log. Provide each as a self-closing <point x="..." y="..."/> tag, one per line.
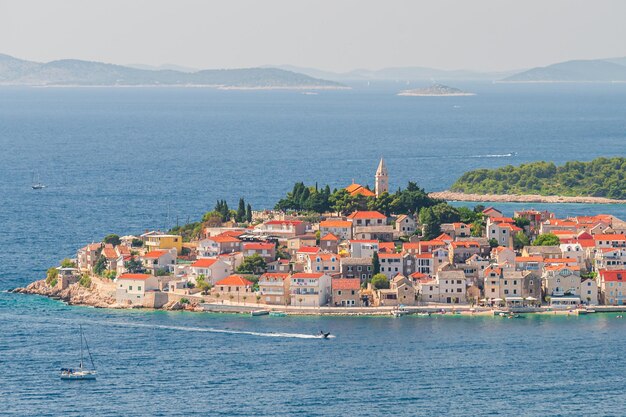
<point x="82" y="373"/>
<point x="37" y="185"/>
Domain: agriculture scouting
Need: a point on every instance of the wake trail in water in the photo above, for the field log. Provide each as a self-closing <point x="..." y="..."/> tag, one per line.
<point x="503" y="155"/>
<point x="213" y="330"/>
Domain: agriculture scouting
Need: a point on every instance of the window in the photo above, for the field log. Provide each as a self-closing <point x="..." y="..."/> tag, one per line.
<point x="139" y="288"/>
<point x="130" y="288"/>
<point x="339" y="292"/>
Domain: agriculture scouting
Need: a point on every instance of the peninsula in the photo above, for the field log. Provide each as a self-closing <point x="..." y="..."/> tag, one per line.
<point x="600" y="178"/>
<point x="355" y="250"/>
<point x="435" y="90"/>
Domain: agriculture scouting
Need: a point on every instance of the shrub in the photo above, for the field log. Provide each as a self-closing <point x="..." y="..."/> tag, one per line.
<point x="51" y="275"/>
<point x="184" y="301"/>
<point x="85" y="281"/>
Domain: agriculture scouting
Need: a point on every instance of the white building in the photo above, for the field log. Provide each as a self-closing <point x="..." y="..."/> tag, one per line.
<point x="132" y="288"/>
<point x="310" y="289"/>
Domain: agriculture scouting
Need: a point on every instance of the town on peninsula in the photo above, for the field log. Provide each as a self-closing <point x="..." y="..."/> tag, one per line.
<point x="360" y="251"/>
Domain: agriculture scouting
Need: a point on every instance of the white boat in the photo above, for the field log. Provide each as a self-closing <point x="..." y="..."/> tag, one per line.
<point x="399" y="312"/>
<point x="259" y="313"/>
<point x="81" y="373"/>
<point x="37" y="185"/>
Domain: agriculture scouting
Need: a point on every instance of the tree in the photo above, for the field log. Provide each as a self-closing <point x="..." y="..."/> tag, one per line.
<point x="380" y="281"/>
<point x="222" y="208"/>
<point x="521" y="222"/>
<point x="249" y="213"/>
<point x="136" y="243"/>
<point x="212" y="219"/>
<point x="520" y="240"/>
<point x="493" y="243"/>
<point x="252" y="264"/>
<point x="85" y="281"/>
<point x="100" y="266"/>
<point x="51" y="276"/>
<point x="112" y="239"/>
<point x="134" y="266"/>
<point x="431" y="227"/>
<point x="547" y="239"/>
<point x="375" y="263"/>
<point x="240" y="217"/>
<point x="67" y="263"/>
<point x="202" y="284"/>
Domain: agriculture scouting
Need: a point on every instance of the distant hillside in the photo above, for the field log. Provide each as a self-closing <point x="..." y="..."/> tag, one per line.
<point x="15" y="71"/>
<point x="398" y="74"/>
<point x="609" y="70"/>
<point x="602" y="177"/>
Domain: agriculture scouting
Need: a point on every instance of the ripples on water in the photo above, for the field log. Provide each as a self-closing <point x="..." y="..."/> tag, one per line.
<point x="178" y="363"/>
<point x="116" y="159"/>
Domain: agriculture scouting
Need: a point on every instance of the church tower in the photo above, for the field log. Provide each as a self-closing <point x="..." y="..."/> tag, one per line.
<point x="382" y="178"/>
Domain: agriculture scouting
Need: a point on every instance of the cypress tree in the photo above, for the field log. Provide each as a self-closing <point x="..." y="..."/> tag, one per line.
<point x="249" y="213"/>
<point x="241" y="211"/>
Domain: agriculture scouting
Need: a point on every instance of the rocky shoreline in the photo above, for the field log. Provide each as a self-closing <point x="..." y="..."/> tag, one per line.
<point x="523" y="198"/>
<point x="101" y="294"/>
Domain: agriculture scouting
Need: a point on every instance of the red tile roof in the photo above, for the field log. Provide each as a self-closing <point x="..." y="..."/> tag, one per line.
<point x="109" y="253"/>
<point x="367" y="215"/>
<point x="612" y="238"/>
<point x="345" y="284"/>
<point x="329" y="236"/>
<point x="232" y="233"/>
<point x="336" y="224"/>
<point x="258" y="246"/>
<point x="613" y="275"/>
<point x="280" y="275"/>
<point x="223" y="239"/>
<point x="203" y="263"/>
<point x="307" y="275"/>
<point x="155" y="254"/>
<point x="141" y="277"/>
<point x="285" y="222"/>
<point x="309" y="249"/>
<point x="234" y="280"/>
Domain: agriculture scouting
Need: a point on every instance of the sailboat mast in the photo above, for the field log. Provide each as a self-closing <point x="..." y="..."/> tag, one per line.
<point x="93" y="366"/>
<point x="81" y="346"/>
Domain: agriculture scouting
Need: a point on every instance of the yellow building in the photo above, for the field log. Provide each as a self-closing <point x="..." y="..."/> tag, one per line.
<point x="160" y="241"/>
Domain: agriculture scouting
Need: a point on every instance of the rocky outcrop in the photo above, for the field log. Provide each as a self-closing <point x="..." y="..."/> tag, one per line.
<point x="98" y="294"/>
<point x="523" y="198"/>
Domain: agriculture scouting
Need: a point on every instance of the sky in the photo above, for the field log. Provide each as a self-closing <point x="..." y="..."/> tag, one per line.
<point x="336" y="35"/>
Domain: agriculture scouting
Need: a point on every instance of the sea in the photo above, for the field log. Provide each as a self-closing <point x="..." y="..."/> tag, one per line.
<point x="126" y="160"/>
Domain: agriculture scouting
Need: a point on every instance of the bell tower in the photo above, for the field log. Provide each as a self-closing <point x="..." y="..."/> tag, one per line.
<point x="382" y="178"/>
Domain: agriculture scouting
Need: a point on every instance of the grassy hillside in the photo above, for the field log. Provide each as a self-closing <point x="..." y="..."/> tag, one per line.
<point x="602" y="177"/>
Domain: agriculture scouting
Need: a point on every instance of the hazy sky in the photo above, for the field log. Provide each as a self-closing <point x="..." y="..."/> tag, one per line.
<point x="334" y="35"/>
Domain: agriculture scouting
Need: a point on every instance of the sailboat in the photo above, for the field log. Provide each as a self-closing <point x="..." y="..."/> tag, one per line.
<point x="82" y="373"/>
<point x="37" y="185"/>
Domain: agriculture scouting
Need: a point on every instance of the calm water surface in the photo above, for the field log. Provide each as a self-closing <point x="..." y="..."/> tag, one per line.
<point x="123" y="160"/>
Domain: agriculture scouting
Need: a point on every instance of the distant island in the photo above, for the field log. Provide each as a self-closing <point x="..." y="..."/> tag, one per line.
<point x="596" y="70"/>
<point x="435" y="90"/>
<point x="602" y="177"/>
<point x="72" y="72"/>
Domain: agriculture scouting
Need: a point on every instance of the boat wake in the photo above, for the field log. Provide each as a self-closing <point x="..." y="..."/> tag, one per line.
<point x="503" y="155"/>
<point x="224" y="331"/>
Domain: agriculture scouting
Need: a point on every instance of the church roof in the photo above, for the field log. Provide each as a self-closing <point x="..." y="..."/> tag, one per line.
<point x="358" y="189"/>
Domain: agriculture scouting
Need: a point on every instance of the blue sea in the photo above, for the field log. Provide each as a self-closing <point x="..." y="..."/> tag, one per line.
<point x="125" y="160"/>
